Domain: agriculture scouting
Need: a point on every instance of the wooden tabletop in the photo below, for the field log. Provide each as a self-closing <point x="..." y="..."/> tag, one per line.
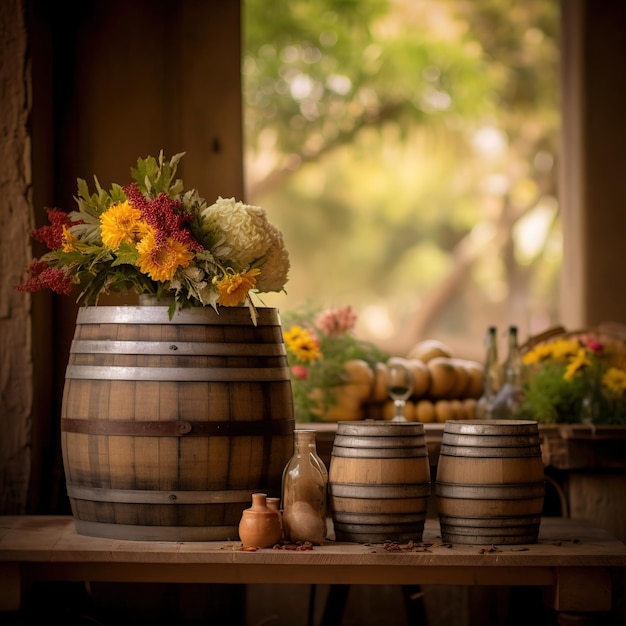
<point x="562" y="542"/>
<point x="569" y="557"/>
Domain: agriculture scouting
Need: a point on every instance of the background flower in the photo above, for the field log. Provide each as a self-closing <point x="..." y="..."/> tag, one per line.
<point x="319" y="344"/>
<point x="577" y="377"/>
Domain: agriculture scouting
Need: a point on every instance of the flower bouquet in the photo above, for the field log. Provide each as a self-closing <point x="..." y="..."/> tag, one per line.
<point x="576" y="377"/>
<point x="332" y="371"/>
<point x="152" y="237"/>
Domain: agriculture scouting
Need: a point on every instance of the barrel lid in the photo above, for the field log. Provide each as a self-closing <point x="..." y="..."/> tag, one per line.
<point x="490" y="427"/>
<point x="160" y="315"/>
<point x="379" y="428"/>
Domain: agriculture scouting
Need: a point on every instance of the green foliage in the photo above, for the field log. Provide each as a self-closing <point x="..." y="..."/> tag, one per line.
<point x="157" y="176"/>
<point x="366" y="120"/>
<point x="317" y="75"/>
<point x="575" y="380"/>
<point x="550" y="399"/>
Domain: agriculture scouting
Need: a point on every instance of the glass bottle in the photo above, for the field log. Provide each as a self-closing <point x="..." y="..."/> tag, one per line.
<point x="491" y="376"/>
<point x="304" y="492"/>
<point x="511" y="396"/>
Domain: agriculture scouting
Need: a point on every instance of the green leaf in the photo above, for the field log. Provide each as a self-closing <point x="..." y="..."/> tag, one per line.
<point x="125" y="254"/>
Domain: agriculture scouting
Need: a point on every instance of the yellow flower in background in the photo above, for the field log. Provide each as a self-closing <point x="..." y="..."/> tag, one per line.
<point x="161" y="262"/>
<point x="302" y="344"/>
<point x="319" y="344"/>
<point x="615" y="380"/>
<point x="580" y="361"/>
<point x="538" y="354"/>
<point x="120" y="223"/>
<point x="234" y="288"/>
<point x="295" y="333"/>
<point x="564" y="349"/>
<point x="580" y="378"/>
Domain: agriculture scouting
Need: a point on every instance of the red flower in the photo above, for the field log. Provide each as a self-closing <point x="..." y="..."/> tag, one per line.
<point x="44" y="277"/>
<point x="301" y="372"/>
<point x="592" y="344"/>
<point x="164" y="214"/>
<point x="52" y="235"/>
<point x="334" y="322"/>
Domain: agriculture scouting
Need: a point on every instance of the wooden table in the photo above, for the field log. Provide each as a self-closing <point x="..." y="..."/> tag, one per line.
<point x="572" y="560"/>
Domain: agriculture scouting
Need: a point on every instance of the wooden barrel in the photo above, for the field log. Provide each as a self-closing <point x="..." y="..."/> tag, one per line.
<point x="169" y="426"/>
<point x="490" y="482"/>
<point x="379" y="481"/>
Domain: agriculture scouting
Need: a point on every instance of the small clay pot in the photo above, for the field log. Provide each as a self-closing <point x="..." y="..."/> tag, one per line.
<point x="274" y="505"/>
<point x="260" y="525"/>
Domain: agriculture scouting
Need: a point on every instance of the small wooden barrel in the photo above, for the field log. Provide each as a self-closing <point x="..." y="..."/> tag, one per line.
<point x="490" y="482"/>
<point x="169" y="426"/>
<point x="379" y="481"/>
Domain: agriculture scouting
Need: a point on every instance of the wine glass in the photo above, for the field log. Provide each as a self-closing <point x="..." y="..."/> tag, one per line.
<point x="399" y="388"/>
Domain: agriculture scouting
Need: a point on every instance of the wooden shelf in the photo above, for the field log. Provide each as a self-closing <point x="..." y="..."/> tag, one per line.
<point x="573" y="560"/>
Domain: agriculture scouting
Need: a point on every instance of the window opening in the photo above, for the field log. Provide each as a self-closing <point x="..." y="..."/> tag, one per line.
<point x="407" y="150"/>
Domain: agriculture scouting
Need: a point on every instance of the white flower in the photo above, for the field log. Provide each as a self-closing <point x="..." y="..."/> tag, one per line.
<point x="275" y="267"/>
<point x="245" y="230"/>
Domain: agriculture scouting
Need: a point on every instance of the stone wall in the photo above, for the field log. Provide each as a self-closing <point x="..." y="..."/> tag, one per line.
<point x="16" y="220"/>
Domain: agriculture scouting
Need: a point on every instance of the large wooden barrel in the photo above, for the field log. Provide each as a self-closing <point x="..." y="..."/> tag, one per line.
<point x="490" y="482"/>
<point x="379" y="481"/>
<point x="169" y="426"/>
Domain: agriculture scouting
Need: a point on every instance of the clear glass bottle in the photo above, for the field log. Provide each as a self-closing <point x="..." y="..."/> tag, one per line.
<point x="491" y="376"/>
<point x="511" y="396"/>
<point x="304" y="492"/>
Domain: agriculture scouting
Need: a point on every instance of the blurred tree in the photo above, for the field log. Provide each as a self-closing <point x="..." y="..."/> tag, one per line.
<point x="407" y="149"/>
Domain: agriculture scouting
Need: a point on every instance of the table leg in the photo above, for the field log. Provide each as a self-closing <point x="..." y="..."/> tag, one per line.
<point x="10" y="587"/>
<point x="414" y="605"/>
<point x="338" y="597"/>
<point x="335" y="605"/>
<point x="580" y="590"/>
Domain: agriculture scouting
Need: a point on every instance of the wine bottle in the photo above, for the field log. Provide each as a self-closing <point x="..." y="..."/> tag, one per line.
<point x="491" y="376"/>
<point x="511" y="396"/>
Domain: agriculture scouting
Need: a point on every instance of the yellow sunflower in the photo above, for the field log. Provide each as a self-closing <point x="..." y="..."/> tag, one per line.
<point x="615" y="380"/>
<point x="120" y="222"/>
<point x="302" y="344"/>
<point x="580" y="361"/>
<point x="234" y="288"/>
<point x="161" y="262"/>
<point x="538" y="353"/>
<point x="563" y="349"/>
